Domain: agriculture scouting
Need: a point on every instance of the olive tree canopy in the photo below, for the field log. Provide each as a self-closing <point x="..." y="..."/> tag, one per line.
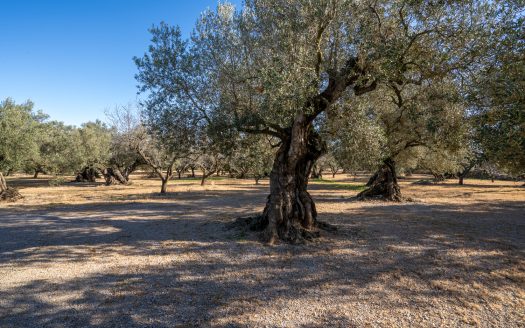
<point x="273" y="67"/>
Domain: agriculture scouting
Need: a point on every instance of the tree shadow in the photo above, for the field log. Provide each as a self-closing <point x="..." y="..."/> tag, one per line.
<point x="166" y="264"/>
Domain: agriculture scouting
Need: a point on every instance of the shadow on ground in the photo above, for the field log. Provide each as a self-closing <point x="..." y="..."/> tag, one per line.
<point x="410" y="256"/>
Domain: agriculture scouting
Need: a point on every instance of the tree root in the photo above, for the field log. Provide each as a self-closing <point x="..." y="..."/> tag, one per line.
<point x="295" y="234"/>
<point x="10" y="195"/>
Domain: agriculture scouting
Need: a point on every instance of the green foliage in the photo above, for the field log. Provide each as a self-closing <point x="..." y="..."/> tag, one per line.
<point x="355" y="137"/>
<point x="259" y="68"/>
<point x="94" y="143"/>
<point x="18" y="140"/>
<point x="254" y="156"/>
<point x="57" y="149"/>
<point x="499" y="102"/>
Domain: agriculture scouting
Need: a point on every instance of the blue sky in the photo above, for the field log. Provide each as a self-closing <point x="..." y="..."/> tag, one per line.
<point x="73" y="58"/>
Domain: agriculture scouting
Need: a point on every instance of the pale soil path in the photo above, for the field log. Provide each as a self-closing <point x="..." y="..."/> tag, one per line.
<point x="96" y="256"/>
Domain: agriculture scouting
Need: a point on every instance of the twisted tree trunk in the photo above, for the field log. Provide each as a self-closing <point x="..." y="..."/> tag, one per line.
<point x="88" y="174"/>
<point x="3" y="183"/>
<point x="8" y="194"/>
<point x="114" y="175"/>
<point x="290" y="213"/>
<point x="466" y="171"/>
<point x="37" y="172"/>
<point x="383" y="184"/>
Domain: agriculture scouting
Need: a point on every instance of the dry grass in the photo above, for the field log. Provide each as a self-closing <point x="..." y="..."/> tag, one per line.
<point x="124" y="256"/>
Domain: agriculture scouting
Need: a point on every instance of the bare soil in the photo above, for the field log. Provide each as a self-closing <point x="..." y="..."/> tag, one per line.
<point x="87" y="255"/>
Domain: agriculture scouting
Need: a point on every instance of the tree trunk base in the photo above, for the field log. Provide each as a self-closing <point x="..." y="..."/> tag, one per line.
<point x="114" y="176"/>
<point x="383" y="184"/>
<point x="295" y="234"/>
<point x="88" y="174"/>
<point x="10" y="195"/>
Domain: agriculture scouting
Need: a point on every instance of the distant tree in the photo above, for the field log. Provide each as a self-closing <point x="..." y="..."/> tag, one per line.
<point x="17" y="141"/>
<point x="253" y="157"/>
<point x="182" y="166"/>
<point x="329" y="161"/>
<point x="92" y="150"/>
<point x="56" y="146"/>
<point x="355" y="137"/>
<point x="171" y="136"/>
<point x="430" y="115"/>
<point x="209" y="163"/>
<point x="127" y="132"/>
<point x="498" y="101"/>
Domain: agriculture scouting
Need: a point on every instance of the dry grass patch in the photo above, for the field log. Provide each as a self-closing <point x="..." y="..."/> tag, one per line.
<point x="89" y="255"/>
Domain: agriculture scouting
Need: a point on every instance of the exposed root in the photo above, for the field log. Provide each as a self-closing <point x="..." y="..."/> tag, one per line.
<point x="400" y="199"/>
<point x="294" y="235"/>
<point x="365" y="197"/>
<point x="10" y="195"/>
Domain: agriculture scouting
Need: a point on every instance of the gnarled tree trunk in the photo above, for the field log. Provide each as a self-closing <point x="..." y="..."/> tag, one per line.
<point x="88" y="174"/>
<point x="164" y="185"/>
<point x="8" y="194"/>
<point x="37" y="172"/>
<point x="465" y="171"/>
<point x="114" y="175"/>
<point x="383" y="184"/>
<point x="206" y="175"/>
<point x="3" y="183"/>
<point x="290" y="212"/>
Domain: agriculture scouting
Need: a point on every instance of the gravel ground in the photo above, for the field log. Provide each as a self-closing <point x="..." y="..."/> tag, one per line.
<point x="121" y="257"/>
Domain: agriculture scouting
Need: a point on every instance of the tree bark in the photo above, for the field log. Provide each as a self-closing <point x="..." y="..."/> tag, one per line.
<point x="466" y="170"/>
<point x="35" y="176"/>
<point x="290" y="213"/>
<point x="164" y="186"/>
<point x="88" y="174"/>
<point x="3" y="184"/>
<point x="438" y="177"/>
<point x="383" y="184"/>
<point x="114" y="175"/>
<point x="8" y="194"/>
<point x="205" y="176"/>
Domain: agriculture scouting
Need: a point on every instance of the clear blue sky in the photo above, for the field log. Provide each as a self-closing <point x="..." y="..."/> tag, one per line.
<point x="73" y="58"/>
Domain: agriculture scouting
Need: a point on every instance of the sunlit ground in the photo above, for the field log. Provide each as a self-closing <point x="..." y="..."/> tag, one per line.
<point x="81" y="255"/>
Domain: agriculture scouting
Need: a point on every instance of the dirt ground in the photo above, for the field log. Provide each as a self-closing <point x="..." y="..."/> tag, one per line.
<point x="87" y="255"/>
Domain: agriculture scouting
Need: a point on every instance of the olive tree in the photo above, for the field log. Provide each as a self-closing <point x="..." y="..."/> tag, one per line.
<point x="274" y="67"/>
<point x="17" y="141"/>
<point x="57" y="148"/>
<point x="127" y="132"/>
<point x="428" y="116"/>
<point x="253" y="157"/>
<point x="92" y="146"/>
<point x="498" y="101"/>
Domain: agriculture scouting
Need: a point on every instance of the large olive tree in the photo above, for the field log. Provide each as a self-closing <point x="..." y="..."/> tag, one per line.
<point x="274" y="67"/>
